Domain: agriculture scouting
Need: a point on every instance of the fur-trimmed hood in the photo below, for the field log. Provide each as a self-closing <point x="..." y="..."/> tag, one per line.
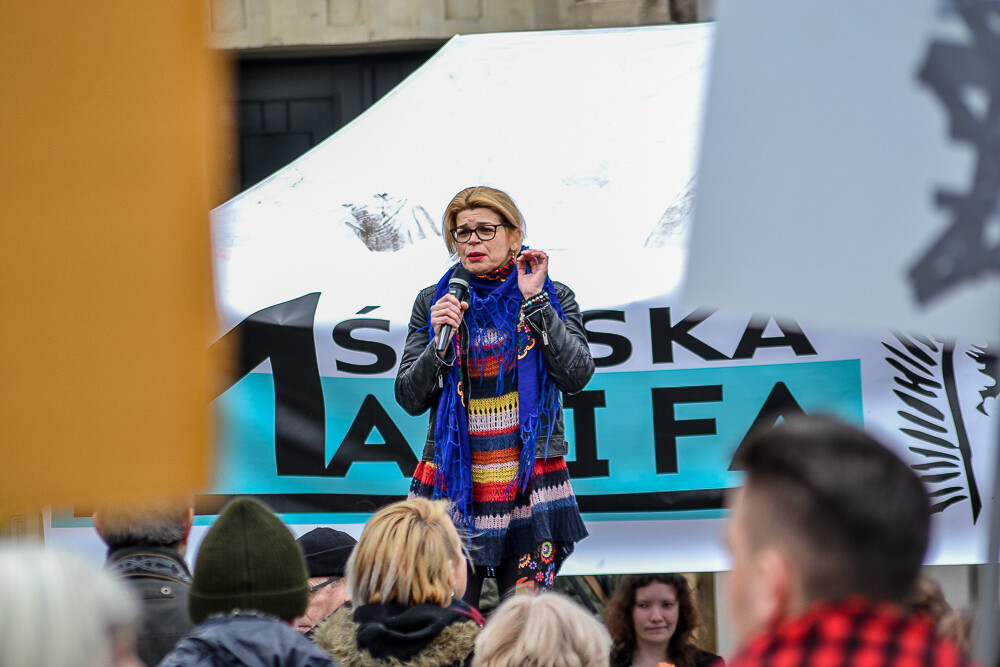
<point x="388" y="635"/>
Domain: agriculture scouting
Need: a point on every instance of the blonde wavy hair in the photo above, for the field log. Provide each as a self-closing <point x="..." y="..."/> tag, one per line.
<point x="481" y="196"/>
<point x="543" y="630"/>
<point x="406" y="555"/>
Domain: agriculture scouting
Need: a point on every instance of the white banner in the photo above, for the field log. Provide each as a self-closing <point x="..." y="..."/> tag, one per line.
<point x="594" y="133"/>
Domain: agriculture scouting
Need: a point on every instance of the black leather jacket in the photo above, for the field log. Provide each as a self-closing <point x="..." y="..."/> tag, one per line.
<point x="564" y="348"/>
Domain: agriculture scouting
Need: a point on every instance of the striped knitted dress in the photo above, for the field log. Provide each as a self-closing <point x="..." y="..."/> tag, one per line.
<point x="538" y="526"/>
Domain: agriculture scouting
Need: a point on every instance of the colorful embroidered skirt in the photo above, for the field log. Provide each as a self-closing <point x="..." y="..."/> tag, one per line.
<point x="514" y="525"/>
<point x="509" y="523"/>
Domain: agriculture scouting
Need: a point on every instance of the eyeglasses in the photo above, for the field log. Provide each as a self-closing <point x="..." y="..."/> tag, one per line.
<point x="325" y="583"/>
<point x="483" y="232"/>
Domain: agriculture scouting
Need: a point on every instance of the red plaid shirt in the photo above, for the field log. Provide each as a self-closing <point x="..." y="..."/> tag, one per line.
<point x="852" y="633"/>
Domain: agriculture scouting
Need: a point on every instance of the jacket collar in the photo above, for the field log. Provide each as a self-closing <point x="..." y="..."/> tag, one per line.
<point x="156" y="562"/>
<point x="426" y="637"/>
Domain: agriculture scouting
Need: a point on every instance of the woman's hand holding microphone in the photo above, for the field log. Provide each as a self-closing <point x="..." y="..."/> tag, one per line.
<point x="448" y="310"/>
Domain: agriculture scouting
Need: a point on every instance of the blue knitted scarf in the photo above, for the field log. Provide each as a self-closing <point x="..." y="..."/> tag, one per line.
<point x="494" y="304"/>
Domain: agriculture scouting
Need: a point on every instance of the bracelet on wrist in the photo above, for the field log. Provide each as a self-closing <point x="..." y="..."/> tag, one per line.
<point x="535" y="300"/>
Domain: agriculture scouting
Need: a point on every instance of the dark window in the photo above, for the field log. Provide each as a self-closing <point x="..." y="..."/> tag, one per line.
<point x="288" y="105"/>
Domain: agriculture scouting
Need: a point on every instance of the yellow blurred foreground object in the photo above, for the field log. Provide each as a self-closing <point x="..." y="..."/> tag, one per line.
<point x="111" y="148"/>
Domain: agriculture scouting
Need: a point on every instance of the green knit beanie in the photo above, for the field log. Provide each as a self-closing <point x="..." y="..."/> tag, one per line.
<point x="249" y="561"/>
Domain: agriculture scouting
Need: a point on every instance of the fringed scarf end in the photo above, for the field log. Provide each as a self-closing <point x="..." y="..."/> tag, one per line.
<point x="453" y="469"/>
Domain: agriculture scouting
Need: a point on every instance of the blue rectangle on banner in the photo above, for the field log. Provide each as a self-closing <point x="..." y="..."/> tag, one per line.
<point x="644" y="444"/>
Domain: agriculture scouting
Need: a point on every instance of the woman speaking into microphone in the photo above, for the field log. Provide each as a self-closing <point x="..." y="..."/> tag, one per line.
<point x="490" y="367"/>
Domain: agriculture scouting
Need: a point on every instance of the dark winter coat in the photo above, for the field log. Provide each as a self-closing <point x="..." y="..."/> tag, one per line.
<point x="159" y="578"/>
<point x="245" y="641"/>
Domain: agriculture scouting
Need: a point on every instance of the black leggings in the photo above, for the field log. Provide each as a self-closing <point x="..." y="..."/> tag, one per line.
<point x="506" y="576"/>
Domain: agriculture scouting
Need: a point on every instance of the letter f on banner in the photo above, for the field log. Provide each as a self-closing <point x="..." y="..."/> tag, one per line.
<point x="667" y="428"/>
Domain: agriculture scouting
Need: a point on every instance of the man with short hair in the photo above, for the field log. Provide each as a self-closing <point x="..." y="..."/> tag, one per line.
<point x="828" y="536"/>
<point x="146" y="547"/>
<point x="326" y="551"/>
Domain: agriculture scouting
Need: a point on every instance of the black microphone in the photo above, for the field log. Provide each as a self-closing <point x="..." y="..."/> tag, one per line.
<point x="458" y="287"/>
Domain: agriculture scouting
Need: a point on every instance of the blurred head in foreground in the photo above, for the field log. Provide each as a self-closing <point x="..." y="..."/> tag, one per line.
<point x="826" y="513"/>
<point x="59" y="610"/>
<point x="542" y="630"/>
<point x="165" y="523"/>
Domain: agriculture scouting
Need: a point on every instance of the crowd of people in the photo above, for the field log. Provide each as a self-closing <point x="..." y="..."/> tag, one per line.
<point x="827" y="537"/>
<point x="827" y="534"/>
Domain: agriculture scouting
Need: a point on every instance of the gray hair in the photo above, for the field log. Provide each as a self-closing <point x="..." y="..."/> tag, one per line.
<point x="59" y="610"/>
<point x="152" y="523"/>
<point x="544" y="630"/>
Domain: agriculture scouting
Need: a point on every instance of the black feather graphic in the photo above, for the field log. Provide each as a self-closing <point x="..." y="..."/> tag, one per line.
<point x="987" y="366"/>
<point x="926" y="385"/>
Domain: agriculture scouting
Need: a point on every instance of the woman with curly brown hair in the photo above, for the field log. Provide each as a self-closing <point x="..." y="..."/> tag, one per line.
<point x="652" y="619"/>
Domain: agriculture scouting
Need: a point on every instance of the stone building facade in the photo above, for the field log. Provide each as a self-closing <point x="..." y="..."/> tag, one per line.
<point x="289" y="26"/>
